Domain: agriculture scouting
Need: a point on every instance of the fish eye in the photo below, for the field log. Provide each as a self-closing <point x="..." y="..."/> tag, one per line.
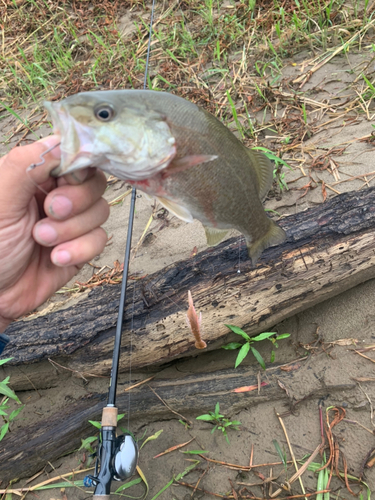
<point x="104" y="112"/>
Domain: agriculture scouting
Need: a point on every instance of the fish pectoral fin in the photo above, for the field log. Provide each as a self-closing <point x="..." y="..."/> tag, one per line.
<point x="264" y="171"/>
<point x="186" y="162"/>
<point x="274" y="236"/>
<point x="176" y="209"/>
<point x="214" y="236"/>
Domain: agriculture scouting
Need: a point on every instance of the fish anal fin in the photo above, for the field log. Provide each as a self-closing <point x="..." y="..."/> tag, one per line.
<point x="214" y="236"/>
<point x="274" y="236"/>
<point x="178" y="210"/>
<point x="264" y="171"/>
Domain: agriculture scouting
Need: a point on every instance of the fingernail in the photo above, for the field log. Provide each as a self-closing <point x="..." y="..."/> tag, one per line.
<point x="77" y="177"/>
<point x="45" y="234"/>
<point x="49" y="142"/>
<point x="61" y="258"/>
<point x="60" y="207"/>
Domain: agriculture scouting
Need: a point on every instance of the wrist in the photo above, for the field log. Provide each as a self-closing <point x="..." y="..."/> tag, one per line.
<point x="4" y="322"/>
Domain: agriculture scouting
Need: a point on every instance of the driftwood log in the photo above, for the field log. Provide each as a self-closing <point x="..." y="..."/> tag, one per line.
<point x="329" y="249"/>
<point x="28" y="450"/>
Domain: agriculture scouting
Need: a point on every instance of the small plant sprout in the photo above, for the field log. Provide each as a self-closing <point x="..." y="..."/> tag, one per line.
<point x="247" y="346"/>
<point x="221" y="423"/>
<point x="282" y="455"/>
<point x="7" y="392"/>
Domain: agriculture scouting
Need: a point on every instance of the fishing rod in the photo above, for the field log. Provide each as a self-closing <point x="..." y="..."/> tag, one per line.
<point x="118" y="455"/>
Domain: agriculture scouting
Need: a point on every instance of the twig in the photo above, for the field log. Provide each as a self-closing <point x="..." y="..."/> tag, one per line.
<point x="17" y="491"/>
<point x="299" y="473"/>
<point x="138" y="384"/>
<point x="54" y="363"/>
<point x="291" y="452"/>
<point x="242" y="467"/>
<point x="170" y="409"/>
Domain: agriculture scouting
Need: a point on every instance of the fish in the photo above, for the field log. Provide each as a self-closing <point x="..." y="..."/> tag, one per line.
<point x="174" y="151"/>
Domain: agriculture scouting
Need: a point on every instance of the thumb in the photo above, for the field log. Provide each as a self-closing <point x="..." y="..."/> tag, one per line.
<point x="18" y="185"/>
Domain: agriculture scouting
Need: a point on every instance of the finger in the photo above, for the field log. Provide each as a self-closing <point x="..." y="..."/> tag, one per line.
<point x="80" y="250"/>
<point x="18" y="186"/>
<point x="77" y="177"/>
<point x="49" y="232"/>
<point x="68" y="200"/>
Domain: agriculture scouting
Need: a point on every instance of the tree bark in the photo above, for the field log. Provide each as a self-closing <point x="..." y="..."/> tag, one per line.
<point x="329" y="249"/>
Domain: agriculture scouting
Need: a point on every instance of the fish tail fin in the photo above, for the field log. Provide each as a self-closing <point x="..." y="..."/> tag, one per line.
<point x="274" y="236"/>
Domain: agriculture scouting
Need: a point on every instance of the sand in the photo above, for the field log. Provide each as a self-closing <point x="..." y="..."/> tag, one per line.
<point x="347" y="318"/>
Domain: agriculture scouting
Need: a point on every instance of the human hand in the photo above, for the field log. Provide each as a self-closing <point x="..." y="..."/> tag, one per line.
<point x="45" y="239"/>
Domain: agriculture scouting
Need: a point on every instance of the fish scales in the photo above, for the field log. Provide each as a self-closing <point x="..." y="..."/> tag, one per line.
<point x="171" y="149"/>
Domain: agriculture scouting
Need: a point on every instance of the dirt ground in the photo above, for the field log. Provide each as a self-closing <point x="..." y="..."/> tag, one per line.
<point x="331" y="373"/>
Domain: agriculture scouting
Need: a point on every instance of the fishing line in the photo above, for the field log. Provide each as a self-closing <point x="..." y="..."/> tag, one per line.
<point x="132" y="208"/>
<point x="239" y="255"/>
<point x="42" y="162"/>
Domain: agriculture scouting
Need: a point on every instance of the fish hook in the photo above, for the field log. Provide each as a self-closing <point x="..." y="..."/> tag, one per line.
<point x="33" y="165"/>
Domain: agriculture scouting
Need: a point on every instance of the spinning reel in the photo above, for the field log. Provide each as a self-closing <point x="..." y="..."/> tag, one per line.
<point x="118" y="456"/>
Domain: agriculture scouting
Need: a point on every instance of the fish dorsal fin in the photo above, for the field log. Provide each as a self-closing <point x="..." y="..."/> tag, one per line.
<point x="214" y="236"/>
<point x="264" y="170"/>
<point x="176" y="209"/>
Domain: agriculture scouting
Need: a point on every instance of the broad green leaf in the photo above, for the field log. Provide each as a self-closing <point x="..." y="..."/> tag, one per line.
<point x="129" y="485"/>
<point x="231" y="346"/>
<point x="258" y="357"/>
<point x="96" y="424"/>
<point x="238" y="330"/>
<point x="15" y="413"/>
<point x="7" y="391"/>
<point x="2" y="361"/>
<point x="187" y="470"/>
<point x="217" y="409"/>
<point x="139" y="470"/>
<point x="87" y="441"/>
<point x="4" y="430"/>
<point x="283" y="336"/>
<point x="151" y="438"/>
<point x="242" y="354"/>
<point x="263" y="336"/>
<point x="206" y="418"/>
<point x="163" y="489"/>
<point x="66" y="484"/>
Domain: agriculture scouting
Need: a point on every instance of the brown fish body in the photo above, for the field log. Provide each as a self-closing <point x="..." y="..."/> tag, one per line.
<point x="203" y="172"/>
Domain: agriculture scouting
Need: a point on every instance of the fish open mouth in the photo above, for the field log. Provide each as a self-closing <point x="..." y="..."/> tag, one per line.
<point x="74" y="155"/>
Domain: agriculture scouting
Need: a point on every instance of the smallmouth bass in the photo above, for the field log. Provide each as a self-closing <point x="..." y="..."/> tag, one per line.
<point x="174" y="151"/>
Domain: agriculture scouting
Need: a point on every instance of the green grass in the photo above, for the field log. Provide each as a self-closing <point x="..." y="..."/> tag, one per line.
<point x="7" y="394"/>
